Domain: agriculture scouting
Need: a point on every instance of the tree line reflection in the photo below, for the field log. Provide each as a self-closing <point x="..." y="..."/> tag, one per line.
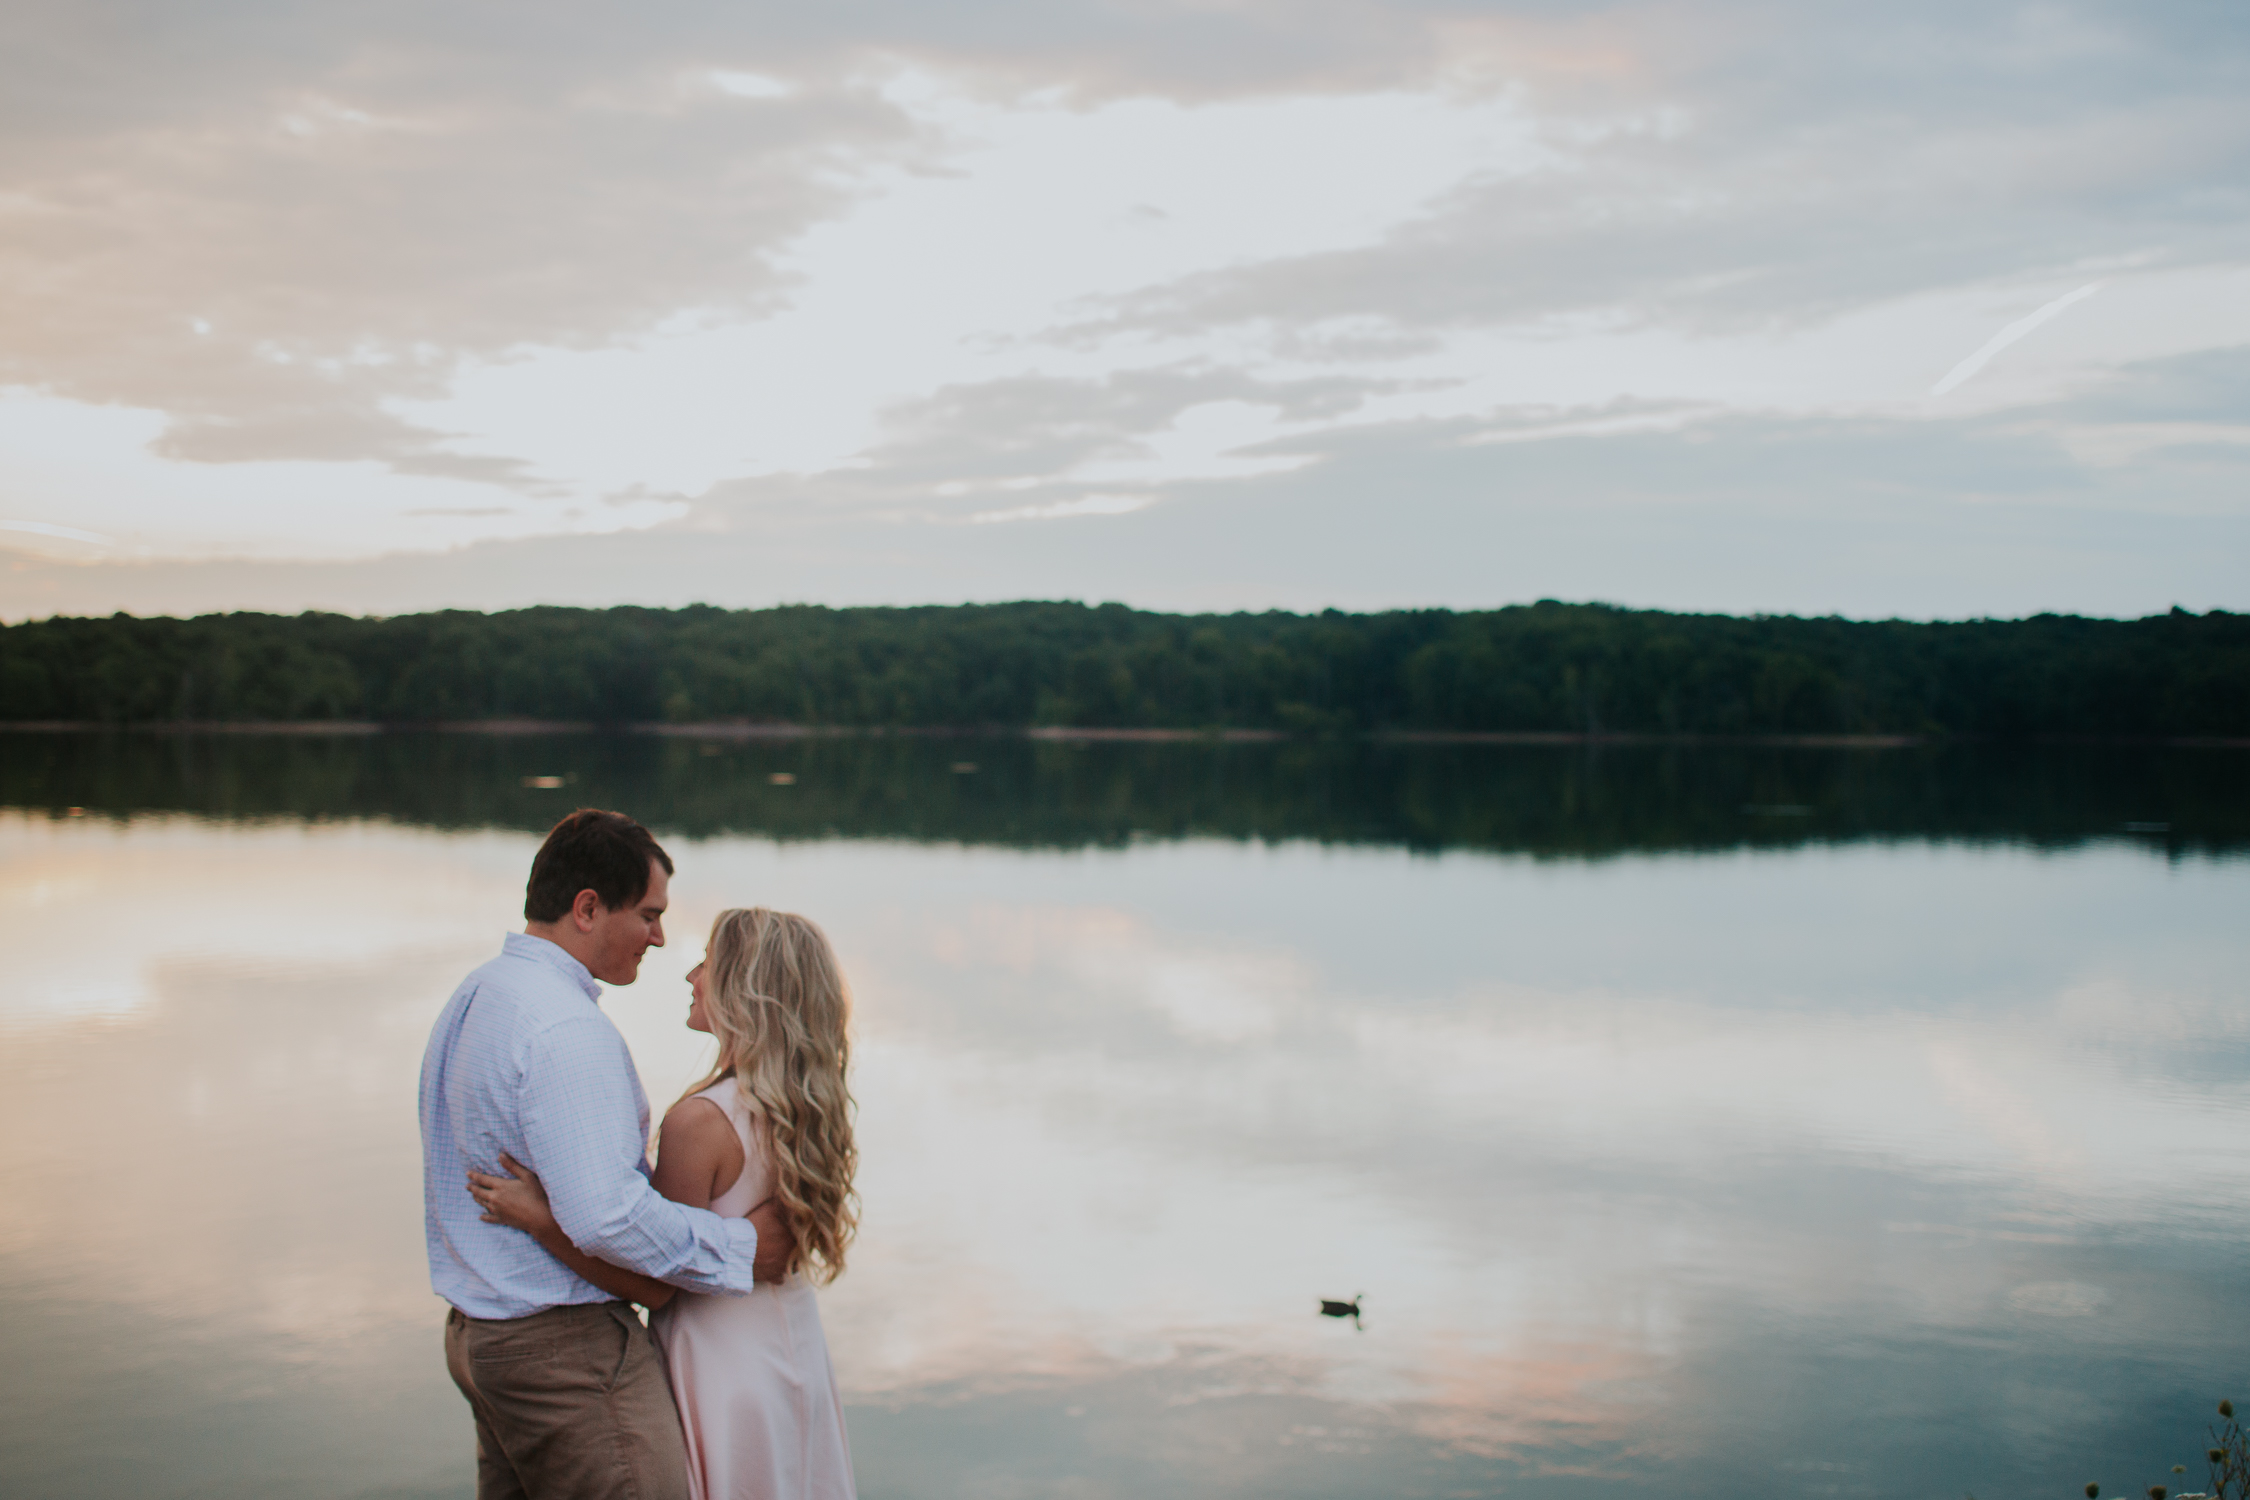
<point x="1564" y="801"/>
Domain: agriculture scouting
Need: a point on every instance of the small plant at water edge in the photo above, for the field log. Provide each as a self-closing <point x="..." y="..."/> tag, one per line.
<point x="2228" y="1456"/>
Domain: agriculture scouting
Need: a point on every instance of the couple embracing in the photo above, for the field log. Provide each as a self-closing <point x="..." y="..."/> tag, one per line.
<point x="546" y="1222"/>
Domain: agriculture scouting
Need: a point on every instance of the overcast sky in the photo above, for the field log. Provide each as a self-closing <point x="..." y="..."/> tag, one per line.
<point x="1920" y="308"/>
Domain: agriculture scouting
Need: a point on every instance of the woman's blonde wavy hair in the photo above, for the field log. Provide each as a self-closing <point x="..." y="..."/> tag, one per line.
<point x="777" y="1002"/>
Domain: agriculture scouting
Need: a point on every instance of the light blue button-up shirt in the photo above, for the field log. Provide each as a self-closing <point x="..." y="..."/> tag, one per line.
<point x="522" y="1060"/>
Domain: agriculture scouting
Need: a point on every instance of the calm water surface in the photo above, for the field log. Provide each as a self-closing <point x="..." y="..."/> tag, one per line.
<point x="1734" y="1122"/>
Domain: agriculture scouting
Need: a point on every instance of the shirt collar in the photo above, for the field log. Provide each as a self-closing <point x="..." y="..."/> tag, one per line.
<point x="541" y="951"/>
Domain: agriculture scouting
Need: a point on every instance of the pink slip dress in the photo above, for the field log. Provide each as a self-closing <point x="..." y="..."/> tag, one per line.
<point x="751" y="1376"/>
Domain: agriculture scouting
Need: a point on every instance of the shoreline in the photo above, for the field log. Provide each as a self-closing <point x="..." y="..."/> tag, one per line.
<point x="1073" y="734"/>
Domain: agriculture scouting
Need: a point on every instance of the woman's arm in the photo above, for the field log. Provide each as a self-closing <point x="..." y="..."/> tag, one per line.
<point x="699" y="1156"/>
<point x="632" y="1286"/>
<point x="585" y="1132"/>
<point x="519" y="1201"/>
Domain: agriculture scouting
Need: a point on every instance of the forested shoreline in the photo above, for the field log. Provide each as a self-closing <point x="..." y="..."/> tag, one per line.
<point x="1540" y="668"/>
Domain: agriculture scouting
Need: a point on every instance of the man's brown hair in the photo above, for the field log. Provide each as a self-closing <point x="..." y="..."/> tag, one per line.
<point x="604" y="852"/>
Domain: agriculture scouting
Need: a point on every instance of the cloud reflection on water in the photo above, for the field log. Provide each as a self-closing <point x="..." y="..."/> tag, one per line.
<point x="1633" y="1161"/>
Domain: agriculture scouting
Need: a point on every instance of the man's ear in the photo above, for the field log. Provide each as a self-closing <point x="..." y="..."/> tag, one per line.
<point x="584" y="908"/>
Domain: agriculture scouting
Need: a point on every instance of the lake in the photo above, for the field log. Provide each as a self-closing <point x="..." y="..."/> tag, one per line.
<point x="1727" y="1120"/>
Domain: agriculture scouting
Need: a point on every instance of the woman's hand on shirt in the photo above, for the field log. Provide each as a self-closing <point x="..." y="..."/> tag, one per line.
<point x="516" y="1200"/>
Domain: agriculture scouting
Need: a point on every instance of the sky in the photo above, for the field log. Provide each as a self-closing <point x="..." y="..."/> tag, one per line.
<point x="1923" y="309"/>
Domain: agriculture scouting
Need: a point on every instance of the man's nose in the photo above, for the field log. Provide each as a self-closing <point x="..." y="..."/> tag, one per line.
<point x="656" y="933"/>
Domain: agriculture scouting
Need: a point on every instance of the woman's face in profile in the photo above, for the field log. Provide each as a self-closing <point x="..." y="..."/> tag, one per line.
<point x="698" y="1017"/>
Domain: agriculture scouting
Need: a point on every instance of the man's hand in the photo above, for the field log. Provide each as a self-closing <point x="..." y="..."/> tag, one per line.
<point x="777" y="1247"/>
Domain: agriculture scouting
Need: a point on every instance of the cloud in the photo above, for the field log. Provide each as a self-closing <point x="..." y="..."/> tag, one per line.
<point x="2207" y="385"/>
<point x="346" y="218"/>
<point x="289" y="234"/>
<point x="1089" y="505"/>
<point x="1033" y="427"/>
<point x="1992" y="513"/>
<point x="350" y="205"/>
<point x="1057" y="445"/>
<point x="1741" y="166"/>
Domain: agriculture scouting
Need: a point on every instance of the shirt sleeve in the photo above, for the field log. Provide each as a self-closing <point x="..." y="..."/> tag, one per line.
<point x="582" y="1132"/>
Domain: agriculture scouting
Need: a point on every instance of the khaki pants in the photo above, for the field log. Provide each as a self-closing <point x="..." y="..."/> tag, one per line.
<point x="571" y="1404"/>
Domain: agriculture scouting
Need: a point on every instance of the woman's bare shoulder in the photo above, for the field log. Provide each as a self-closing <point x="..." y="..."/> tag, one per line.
<point x="696" y="1118"/>
<point x="697" y="1152"/>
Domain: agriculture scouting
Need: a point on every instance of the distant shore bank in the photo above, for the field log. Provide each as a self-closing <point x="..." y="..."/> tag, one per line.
<point x="725" y="730"/>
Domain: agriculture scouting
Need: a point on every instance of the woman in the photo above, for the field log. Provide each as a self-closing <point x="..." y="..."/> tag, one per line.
<point x="750" y="1374"/>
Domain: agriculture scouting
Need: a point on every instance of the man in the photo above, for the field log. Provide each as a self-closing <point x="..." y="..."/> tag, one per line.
<point x="568" y="1390"/>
